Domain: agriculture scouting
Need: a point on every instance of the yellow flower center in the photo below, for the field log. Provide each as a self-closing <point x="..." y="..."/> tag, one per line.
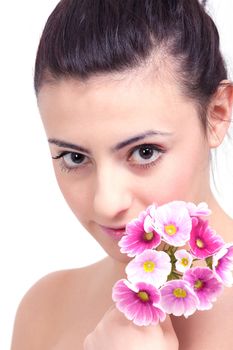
<point x="184" y="261"/>
<point x="149" y="266"/>
<point x="170" y="229"/>
<point x="199" y="243"/>
<point x="198" y="284"/>
<point x="143" y="296"/>
<point x="148" y="236"/>
<point x="179" y="293"/>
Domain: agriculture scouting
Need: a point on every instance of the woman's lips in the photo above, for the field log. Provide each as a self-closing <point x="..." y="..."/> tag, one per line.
<point x="116" y="233"/>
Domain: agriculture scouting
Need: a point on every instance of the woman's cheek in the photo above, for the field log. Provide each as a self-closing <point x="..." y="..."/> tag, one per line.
<point x="172" y="184"/>
<point x="76" y="196"/>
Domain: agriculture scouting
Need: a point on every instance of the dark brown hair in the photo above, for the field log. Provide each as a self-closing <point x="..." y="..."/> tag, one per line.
<point x="86" y="37"/>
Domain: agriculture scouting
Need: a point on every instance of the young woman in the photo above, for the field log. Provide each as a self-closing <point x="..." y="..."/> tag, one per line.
<point x="133" y="96"/>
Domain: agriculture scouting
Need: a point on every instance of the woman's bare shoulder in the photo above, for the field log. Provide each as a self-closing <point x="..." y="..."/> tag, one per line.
<point x="49" y="306"/>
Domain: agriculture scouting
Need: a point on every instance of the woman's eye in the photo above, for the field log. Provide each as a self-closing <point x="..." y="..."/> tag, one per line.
<point x="72" y="160"/>
<point x="145" y="155"/>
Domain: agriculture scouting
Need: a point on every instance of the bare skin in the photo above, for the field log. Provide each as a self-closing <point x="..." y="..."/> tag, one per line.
<point x="65" y="307"/>
<point x="118" y="328"/>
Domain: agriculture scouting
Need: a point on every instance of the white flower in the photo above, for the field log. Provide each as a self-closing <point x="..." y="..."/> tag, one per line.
<point x="184" y="260"/>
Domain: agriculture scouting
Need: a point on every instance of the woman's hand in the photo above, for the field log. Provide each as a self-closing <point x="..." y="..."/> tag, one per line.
<point x="115" y="332"/>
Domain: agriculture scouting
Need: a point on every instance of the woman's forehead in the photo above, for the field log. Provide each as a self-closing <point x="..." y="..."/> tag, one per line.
<point x="135" y="87"/>
<point x="115" y="110"/>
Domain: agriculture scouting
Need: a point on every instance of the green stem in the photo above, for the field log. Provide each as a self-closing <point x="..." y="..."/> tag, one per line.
<point x="209" y="262"/>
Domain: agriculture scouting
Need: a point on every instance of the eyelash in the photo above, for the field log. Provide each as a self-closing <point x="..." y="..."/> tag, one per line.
<point x="153" y="147"/>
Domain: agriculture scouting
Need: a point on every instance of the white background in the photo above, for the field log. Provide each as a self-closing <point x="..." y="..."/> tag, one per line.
<point x="38" y="232"/>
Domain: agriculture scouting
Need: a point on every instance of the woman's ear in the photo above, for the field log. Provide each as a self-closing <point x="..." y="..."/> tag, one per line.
<point x="219" y="113"/>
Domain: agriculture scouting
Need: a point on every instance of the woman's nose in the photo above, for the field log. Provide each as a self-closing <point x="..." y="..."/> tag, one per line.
<point x="112" y="193"/>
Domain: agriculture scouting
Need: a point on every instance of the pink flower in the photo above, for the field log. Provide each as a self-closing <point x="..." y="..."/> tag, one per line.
<point x="204" y="242"/>
<point x="223" y="265"/>
<point x="178" y="298"/>
<point x="184" y="260"/>
<point x="151" y="267"/>
<point x="172" y="221"/>
<point x="139" y="302"/>
<point x="140" y="235"/>
<point x="205" y="285"/>
<point x="198" y="210"/>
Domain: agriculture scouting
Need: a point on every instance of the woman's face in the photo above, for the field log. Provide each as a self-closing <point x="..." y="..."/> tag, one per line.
<point x="121" y="143"/>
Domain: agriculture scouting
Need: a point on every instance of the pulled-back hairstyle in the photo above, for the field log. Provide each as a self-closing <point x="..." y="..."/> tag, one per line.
<point x="83" y="38"/>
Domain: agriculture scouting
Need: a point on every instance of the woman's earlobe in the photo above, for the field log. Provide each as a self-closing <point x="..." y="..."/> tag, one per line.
<point x="219" y="115"/>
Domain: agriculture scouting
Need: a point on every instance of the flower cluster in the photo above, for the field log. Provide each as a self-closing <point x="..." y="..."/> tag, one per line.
<point x="179" y="263"/>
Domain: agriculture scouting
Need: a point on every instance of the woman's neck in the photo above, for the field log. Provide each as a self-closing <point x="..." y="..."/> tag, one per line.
<point x="219" y="220"/>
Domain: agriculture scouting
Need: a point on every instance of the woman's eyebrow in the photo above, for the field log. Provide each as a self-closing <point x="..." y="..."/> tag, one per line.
<point x="65" y="144"/>
<point x="139" y="137"/>
<point x="115" y="148"/>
